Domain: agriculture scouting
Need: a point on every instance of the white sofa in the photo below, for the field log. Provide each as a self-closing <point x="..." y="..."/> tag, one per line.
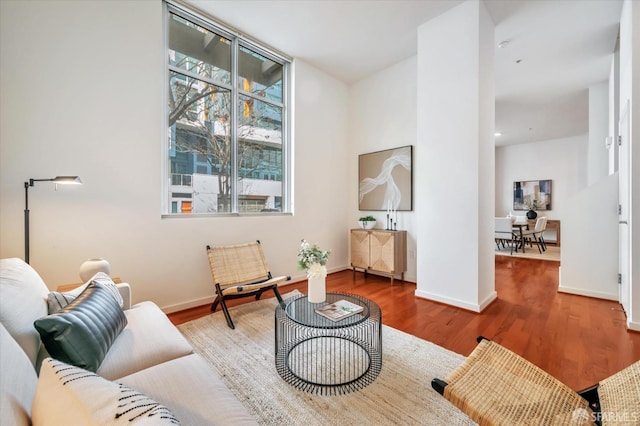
<point x="149" y="356"/>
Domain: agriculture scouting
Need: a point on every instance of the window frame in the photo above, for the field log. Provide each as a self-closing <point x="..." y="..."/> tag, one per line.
<point x="238" y="41"/>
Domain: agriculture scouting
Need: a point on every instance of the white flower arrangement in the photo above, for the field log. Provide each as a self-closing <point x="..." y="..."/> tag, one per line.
<point x="533" y="205"/>
<point x="312" y="259"/>
<point x="316" y="271"/>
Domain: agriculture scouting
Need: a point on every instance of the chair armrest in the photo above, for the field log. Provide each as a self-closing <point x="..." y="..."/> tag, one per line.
<point x="438" y="385"/>
<point x="125" y="292"/>
<point x="281" y="279"/>
<point x="248" y="288"/>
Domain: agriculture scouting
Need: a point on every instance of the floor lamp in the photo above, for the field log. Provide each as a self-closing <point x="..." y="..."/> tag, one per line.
<point x="64" y="180"/>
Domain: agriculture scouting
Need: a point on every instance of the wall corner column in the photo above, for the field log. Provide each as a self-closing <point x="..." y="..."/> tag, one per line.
<point x="455" y="158"/>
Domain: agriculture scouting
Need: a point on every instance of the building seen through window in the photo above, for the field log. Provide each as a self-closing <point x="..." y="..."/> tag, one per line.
<point x="227" y="124"/>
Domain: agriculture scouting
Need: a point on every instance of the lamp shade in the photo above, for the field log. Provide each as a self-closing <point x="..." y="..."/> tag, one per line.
<point x="74" y="180"/>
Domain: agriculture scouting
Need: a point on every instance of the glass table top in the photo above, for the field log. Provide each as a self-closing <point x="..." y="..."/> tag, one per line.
<point x="302" y="312"/>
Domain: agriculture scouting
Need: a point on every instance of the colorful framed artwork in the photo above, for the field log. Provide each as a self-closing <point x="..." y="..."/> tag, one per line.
<point x="534" y="194"/>
<point x="386" y="180"/>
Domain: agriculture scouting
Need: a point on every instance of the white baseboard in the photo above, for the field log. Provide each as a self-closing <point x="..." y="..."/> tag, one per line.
<point x="456" y="302"/>
<point x="588" y="293"/>
<point x="188" y="305"/>
<point x="487" y="301"/>
<point x="635" y="326"/>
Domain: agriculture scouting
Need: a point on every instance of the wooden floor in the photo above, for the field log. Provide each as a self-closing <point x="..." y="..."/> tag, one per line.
<point x="579" y="340"/>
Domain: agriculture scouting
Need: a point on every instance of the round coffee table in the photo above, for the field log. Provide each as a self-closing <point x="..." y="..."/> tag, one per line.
<point x="318" y="355"/>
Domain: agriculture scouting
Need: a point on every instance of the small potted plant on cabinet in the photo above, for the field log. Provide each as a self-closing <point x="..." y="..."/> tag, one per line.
<point x="367" y="222"/>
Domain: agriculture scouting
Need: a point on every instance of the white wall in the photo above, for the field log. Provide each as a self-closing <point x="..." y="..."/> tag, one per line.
<point x="598" y="155"/>
<point x="564" y="161"/>
<point x="589" y="254"/>
<point x="455" y="158"/>
<point x="382" y="113"/>
<point x="82" y="94"/>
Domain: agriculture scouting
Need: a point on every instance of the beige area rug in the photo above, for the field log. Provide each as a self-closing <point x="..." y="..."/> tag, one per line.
<point x="401" y="395"/>
<point x="552" y="253"/>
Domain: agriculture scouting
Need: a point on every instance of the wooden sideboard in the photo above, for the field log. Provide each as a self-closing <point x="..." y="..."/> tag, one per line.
<point x="378" y="250"/>
<point x="69" y="287"/>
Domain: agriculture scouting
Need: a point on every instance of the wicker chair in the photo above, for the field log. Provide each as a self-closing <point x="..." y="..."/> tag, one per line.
<point x="494" y="386"/>
<point x="240" y="270"/>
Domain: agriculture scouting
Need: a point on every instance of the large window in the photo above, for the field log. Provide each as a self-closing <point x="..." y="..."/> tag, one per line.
<point x="228" y="138"/>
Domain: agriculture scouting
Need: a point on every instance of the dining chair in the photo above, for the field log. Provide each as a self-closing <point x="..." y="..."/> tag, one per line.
<point x="519" y="225"/>
<point x="535" y="235"/>
<point x="504" y="233"/>
<point x="541" y="236"/>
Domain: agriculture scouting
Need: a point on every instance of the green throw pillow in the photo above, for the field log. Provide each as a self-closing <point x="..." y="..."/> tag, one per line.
<point x="82" y="333"/>
<point x="58" y="300"/>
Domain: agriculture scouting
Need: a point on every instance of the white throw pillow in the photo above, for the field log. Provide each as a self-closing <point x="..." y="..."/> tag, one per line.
<point x="23" y="299"/>
<point x="68" y="395"/>
<point x="57" y="301"/>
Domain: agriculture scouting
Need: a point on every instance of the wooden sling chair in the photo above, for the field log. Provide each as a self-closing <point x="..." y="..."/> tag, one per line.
<point x="495" y="386"/>
<point x="240" y="270"/>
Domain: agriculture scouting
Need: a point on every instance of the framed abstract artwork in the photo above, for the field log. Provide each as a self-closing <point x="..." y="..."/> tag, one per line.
<point x="386" y="179"/>
<point x="534" y="194"/>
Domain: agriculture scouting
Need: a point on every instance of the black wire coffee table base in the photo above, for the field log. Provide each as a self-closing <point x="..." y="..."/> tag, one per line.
<point x="320" y="356"/>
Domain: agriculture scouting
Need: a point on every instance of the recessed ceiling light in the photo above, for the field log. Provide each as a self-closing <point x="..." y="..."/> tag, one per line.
<point x="503" y="44"/>
<point x="496" y="134"/>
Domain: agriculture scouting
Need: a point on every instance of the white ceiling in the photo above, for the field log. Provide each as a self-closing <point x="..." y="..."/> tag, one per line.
<point x="564" y="46"/>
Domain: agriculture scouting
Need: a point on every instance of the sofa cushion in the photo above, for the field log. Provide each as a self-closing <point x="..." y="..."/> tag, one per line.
<point x="58" y="300"/>
<point x="68" y="395"/>
<point x="24" y="299"/>
<point x="124" y="289"/>
<point x="194" y="392"/>
<point x="82" y="333"/>
<point x="17" y="382"/>
<point x="148" y="339"/>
